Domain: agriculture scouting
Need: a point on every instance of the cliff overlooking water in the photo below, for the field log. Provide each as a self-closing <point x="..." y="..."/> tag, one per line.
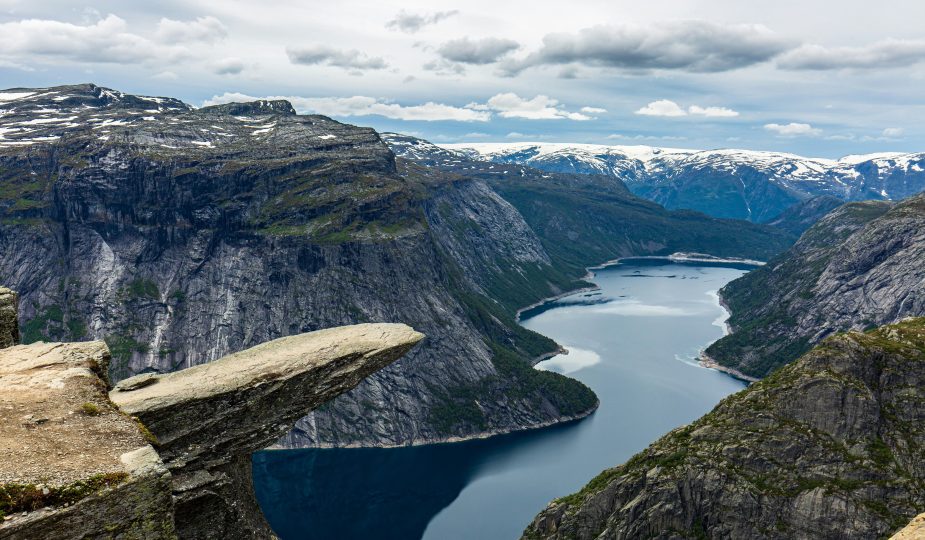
<point x="179" y="235"/>
<point x="161" y="456"/>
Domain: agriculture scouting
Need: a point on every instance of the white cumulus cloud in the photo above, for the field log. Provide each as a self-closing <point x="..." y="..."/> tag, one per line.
<point x="793" y="129"/>
<point x="540" y="107"/>
<point x="107" y="40"/>
<point x="662" y="107"/>
<point x="414" y="22"/>
<point x="712" y="112"/>
<point x="893" y="132"/>
<point x="229" y="66"/>
<point x="666" y="107"/>
<point x="888" y="53"/>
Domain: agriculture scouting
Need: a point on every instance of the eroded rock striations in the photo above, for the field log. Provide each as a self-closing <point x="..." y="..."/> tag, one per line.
<point x="859" y="267"/>
<point x="162" y="456"/>
<point x="827" y="447"/>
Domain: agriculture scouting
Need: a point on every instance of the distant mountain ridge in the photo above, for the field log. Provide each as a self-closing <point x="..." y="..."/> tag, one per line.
<point x="742" y="184"/>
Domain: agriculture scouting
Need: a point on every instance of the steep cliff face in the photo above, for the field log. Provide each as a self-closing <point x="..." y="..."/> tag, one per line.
<point x="180" y="235"/>
<point x="828" y="447"/>
<point x="860" y="266"/>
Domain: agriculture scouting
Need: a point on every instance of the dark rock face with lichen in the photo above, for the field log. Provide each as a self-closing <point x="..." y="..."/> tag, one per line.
<point x="181" y="235"/>
<point x="827" y="447"/>
<point x="859" y="267"/>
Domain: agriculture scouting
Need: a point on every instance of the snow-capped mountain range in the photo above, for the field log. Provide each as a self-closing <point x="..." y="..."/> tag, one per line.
<point x="732" y="183"/>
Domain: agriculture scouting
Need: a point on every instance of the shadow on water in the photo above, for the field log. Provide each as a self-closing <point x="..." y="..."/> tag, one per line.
<point x="387" y="494"/>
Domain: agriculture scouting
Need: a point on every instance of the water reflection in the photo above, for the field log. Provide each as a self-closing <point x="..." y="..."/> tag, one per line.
<point x="390" y="494"/>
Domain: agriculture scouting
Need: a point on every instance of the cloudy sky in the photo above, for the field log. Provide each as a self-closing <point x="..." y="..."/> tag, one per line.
<point x="822" y="77"/>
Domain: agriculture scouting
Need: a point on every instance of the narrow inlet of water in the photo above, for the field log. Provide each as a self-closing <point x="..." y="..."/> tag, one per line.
<point x="635" y="342"/>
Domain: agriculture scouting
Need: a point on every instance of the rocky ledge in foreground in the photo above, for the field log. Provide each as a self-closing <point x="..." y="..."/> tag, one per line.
<point x="162" y="456"/>
<point x="830" y="446"/>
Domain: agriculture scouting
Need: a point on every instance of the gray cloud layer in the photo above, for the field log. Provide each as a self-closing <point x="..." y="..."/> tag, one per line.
<point x="696" y="46"/>
<point x="479" y="51"/>
<point x="413" y="22"/>
<point x="324" y="55"/>
<point x="882" y="54"/>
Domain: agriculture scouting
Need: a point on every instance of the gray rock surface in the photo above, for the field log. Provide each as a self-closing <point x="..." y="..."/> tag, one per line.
<point x="805" y="214"/>
<point x="829" y="447"/>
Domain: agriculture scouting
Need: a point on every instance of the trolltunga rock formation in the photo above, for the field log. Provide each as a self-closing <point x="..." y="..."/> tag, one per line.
<point x="161" y="456"/>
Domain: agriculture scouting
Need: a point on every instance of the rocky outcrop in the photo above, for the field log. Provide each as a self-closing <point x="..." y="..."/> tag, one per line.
<point x="9" y="325"/>
<point x="859" y="267"/>
<point x="209" y="419"/>
<point x="162" y="456"/>
<point x="827" y="447"/>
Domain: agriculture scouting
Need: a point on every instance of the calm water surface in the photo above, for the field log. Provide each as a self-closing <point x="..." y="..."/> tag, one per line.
<point x="635" y="342"/>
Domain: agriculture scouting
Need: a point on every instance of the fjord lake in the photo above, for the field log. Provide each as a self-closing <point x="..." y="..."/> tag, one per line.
<point x="635" y="342"/>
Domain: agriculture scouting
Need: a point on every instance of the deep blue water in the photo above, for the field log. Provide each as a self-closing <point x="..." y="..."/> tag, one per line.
<point x="634" y="342"/>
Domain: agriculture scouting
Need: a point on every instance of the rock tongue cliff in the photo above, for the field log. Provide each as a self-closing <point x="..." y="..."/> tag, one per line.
<point x="860" y="266"/>
<point x="180" y="235"/>
<point x="209" y="419"/>
<point x="162" y="456"/>
<point x="827" y="447"/>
